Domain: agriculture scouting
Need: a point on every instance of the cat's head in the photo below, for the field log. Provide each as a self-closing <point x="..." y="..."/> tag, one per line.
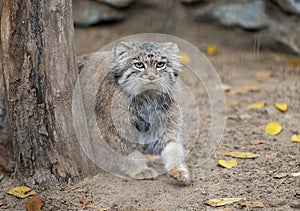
<point x="139" y="66"/>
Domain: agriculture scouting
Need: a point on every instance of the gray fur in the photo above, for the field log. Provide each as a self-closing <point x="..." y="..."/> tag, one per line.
<point x="143" y="76"/>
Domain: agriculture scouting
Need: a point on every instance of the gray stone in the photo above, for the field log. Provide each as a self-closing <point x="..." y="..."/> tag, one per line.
<point x="86" y="13"/>
<point x="251" y="15"/>
<point x="117" y="3"/>
<point x="191" y="1"/>
<point x="289" y="6"/>
<point x="286" y="33"/>
<point x="248" y="15"/>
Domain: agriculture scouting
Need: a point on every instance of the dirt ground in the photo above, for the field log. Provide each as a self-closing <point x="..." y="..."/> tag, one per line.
<point x="266" y="178"/>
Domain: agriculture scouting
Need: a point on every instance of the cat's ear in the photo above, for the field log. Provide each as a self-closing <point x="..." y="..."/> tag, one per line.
<point x="171" y="47"/>
<point x="121" y="48"/>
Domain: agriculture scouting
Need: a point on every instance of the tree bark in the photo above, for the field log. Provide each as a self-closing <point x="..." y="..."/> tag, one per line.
<point x="40" y="71"/>
<point x="6" y="146"/>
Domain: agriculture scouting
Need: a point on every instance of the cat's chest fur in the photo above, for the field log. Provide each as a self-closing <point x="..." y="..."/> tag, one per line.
<point x="150" y="114"/>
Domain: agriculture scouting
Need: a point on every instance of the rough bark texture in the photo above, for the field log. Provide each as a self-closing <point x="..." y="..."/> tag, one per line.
<point x="40" y="71"/>
<point x="6" y="145"/>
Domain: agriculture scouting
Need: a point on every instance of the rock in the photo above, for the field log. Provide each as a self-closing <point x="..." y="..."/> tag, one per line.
<point x="117" y="3"/>
<point x="289" y="6"/>
<point x="87" y="13"/>
<point x="191" y="1"/>
<point x="251" y="15"/>
<point x="286" y="33"/>
<point x="280" y="175"/>
<point x="248" y="15"/>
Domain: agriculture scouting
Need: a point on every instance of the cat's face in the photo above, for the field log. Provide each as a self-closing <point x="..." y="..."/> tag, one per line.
<point x="140" y="66"/>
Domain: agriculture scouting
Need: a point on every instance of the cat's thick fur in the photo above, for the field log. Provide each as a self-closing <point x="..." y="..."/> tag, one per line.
<point x="137" y="108"/>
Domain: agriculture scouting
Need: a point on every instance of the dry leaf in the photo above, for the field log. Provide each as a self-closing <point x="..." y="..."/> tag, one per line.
<point x="295" y="174"/>
<point x="227" y="209"/>
<point x="222" y="201"/>
<point x="254" y="145"/>
<point x="241" y="90"/>
<point x="290" y="189"/>
<point x="21" y="192"/>
<point x="281" y="106"/>
<point x="242" y="154"/>
<point x="228" y="163"/>
<point x="256" y="105"/>
<point x="184" y="58"/>
<point x="212" y="49"/>
<point x="296" y="138"/>
<point x="273" y="128"/>
<point x="294" y="62"/>
<point x="81" y="201"/>
<point x="255" y="204"/>
<point x="35" y="204"/>
<point x="225" y="87"/>
<point x="245" y="203"/>
<point x="258" y="204"/>
<point x="264" y="74"/>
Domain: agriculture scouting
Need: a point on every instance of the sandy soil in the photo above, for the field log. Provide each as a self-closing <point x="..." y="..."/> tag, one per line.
<point x="266" y="178"/>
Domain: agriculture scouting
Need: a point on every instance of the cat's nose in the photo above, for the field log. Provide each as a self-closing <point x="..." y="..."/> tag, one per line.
<point x="151" y="77"/>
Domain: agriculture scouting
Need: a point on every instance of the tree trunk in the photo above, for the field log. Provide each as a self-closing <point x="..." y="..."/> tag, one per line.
<point x="40" y="71"/>
<point x="6" y="145"/>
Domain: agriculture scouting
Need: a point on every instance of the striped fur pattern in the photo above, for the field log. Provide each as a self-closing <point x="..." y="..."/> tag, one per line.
<point x="143" y="77"/>
<point x="150" y="55"/>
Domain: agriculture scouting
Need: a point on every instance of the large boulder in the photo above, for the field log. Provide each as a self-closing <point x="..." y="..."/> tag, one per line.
<point x="87" y="13"/>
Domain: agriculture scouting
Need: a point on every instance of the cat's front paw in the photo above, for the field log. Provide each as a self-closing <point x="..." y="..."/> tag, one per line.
<point x="147" y="173"/>
<point x="181" y="173"/>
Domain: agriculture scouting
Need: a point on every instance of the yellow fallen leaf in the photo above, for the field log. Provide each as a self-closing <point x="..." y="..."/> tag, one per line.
<point x="21" y="192"/>
<point x="294" y="62"/>
<point x="242" y="154"/>
<point x="264" y="74"/>
<point x="256" y="105"/>
<point x="296" y="138"/>
<point x="281" y="106"/>
<point x="222" y="201"/>
<point x="211" y="49"/>
<point x="295" y="174"/>
<point x="184" y="58"/>
<point x="273" y="128"/>
<point x="228" y="163"/>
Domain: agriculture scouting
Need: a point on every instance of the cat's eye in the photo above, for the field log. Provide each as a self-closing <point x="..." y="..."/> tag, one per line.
<point x="160" y="64"/>
<point x="139" y="65"/>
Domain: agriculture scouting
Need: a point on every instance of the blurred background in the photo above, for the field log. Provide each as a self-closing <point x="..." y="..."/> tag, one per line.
<point x="250" y="25"/>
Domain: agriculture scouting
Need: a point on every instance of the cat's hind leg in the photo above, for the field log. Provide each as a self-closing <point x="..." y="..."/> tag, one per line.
<point x="135" y="165"/>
